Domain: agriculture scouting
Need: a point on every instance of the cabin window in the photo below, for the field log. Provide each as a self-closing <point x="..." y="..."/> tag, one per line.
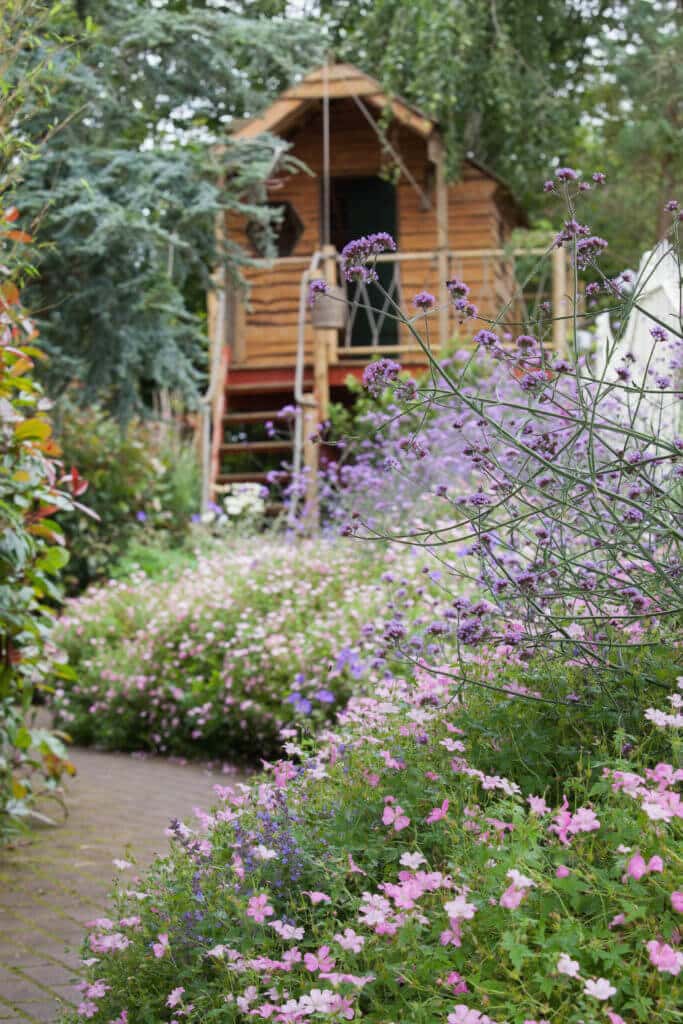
<point x="287" y="232"/>
<point x="361" y="206"/>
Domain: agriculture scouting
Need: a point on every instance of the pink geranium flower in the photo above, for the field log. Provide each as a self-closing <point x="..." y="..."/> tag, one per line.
<point x="438" y="813"/>
<point x="175" y="997"/>
<point x="350" y="940"/>
<point x="160" y="948"/>
<point x="259" y="908"/>
<point x="677" y="901"/>
<point x="637" y="868"/>
<point x="664" y="957"/>
<point x="320" y="961"/>
<point x="353" y="867"/>
<point x="537" y="805"/>
<point x="459" y="909"/>
<point x="394" y="815"/>
<point x="317" y="897"/>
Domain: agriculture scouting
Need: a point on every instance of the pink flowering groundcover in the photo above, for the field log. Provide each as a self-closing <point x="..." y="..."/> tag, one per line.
<point x="416" y="865"/>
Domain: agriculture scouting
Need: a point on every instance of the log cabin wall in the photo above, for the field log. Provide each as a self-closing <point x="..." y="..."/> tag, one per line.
<point x="264" y="331"/>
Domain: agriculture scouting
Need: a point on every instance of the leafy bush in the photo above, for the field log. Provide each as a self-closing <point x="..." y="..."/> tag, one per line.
<point x="215" y="660"/>
<point x="143" y="487"/>
<point x="386" y="876"/>
<point x="32" y="489"/>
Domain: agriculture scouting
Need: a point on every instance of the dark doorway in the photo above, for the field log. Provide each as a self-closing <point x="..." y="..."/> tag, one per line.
<point x="361" y="206"/>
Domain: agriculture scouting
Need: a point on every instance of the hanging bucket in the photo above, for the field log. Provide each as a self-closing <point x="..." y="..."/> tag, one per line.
<point x="330" y="310"/>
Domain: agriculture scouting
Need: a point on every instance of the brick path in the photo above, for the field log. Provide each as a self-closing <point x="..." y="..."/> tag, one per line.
<point x="53" y="882"/>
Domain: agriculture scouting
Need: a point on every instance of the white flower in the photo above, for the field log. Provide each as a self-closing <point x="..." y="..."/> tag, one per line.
<point x="412" y="860"/>
<point x="566" y="965"/>
<point x="262" y="852"/>
<point x="459" y="909"/>
<point x="520" y="880"/>
<point x="599" y="988"/>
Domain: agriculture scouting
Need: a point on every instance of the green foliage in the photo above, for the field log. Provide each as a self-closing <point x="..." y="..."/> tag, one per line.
<point x="634" y="99"/>
<point x="141" y="486"/>
<point x="129" y="187"/>
<point x="32" y="552"/>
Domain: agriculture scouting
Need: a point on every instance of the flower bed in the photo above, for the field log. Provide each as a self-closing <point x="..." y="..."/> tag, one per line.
<point x="215" y="660"/>
<point x="386" y="876"/>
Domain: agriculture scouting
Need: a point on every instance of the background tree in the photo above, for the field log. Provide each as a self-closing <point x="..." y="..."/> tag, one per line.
<point x="502" y="77"/>
<point x="127" y="190"/>
<point x="632" y="126"/>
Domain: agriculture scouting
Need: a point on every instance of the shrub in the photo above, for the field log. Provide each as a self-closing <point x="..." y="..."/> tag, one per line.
<point x="386" y="876"/>
<point x="215" y="660"/>
<point x="32" y="488"/>
<point x="143" y="487"/>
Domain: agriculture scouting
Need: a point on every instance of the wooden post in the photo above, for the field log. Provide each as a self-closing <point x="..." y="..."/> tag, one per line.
<point x="311" y="450"/>
<point x="325" y="341"/>
<point x="560" y="303"/>
<point x="436" y="153"/>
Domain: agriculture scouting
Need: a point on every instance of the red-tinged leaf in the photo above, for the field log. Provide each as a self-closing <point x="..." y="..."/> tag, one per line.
<point x="50" y="448"/>
<point x="19" y="236"/>
<point x="78" y="485"/>
<point x="41" y="513"/>
<point x="9" y="293"/>
<point x="48" y="531"/>
<point x="11" y="214"/>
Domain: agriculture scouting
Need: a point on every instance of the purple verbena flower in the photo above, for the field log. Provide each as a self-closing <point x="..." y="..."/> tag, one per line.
<point x="377" y="376"/>
<point x="315" y="288"/>
<point x="485" y="338"/>
<point x="566" y="174"/>
<point x="424" y="300"/>
<point x="457" y="288"/>
<point x="356" y="254"/>
<point x="587" y="249"/>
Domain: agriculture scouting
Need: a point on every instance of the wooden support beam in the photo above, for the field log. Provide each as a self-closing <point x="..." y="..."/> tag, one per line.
<point x="325" y="341"/>
<point x="436" y="148"/>
<point x="311" y="416"/>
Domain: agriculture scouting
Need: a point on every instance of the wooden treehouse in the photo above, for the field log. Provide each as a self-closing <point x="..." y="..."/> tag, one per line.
<point x="373" y="164"/>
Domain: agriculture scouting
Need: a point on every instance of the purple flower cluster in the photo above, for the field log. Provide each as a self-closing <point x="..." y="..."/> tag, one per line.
<point x="316" y="288"/>
<point x="356" y="254"/>
<point x="378" y="376"/>
<point x="424" y="301"/>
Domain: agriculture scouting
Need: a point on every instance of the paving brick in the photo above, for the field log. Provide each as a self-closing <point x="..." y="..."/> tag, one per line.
<point x="54" y="882"/>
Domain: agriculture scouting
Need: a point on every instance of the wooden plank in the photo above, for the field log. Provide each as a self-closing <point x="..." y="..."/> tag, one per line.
<point x="277" y="118"/>
<point x="358" y="86"/>
<point x="239" y="447"/>
<point x="404" y="114"/>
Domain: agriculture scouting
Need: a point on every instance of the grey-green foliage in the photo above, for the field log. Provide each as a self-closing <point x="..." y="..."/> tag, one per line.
<point x="126" y="191"/>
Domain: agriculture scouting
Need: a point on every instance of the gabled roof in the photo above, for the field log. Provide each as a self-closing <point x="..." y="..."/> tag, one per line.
<point x="338" y="81"/>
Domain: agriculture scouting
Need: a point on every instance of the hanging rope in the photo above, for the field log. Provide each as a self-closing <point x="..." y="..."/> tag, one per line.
<point x="327" y="216"/>
<point x="425" y="201"/>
